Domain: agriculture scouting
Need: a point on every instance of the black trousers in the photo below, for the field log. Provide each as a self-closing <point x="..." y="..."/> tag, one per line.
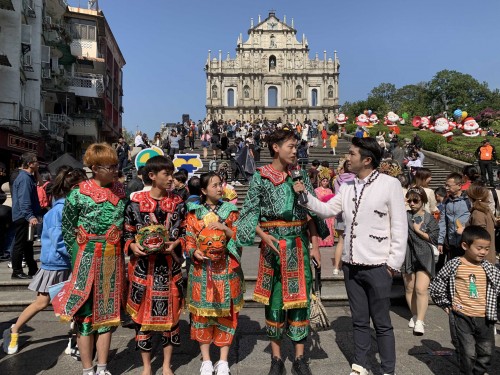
<point x="191" y="142"/>
<point x="22" y="247"/>
<point x="474" y="340"/>
<point x="368" y="290"/>
<point x="486" y="166"/>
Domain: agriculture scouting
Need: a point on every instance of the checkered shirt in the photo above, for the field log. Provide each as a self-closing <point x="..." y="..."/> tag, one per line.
<point x="442" y="288"/>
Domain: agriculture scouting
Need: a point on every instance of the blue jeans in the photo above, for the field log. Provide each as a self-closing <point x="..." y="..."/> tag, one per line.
<point x="474" y="342"/>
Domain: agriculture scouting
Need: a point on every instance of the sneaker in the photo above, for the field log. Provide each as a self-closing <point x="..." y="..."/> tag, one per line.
<point x="358" y="370"/>
<point x="301" y="367"/>
<point x="335" y="272"/>
<point x="419" y="328"/>
<point x="411" y="323"/>
<point x="206" y="368"/>
<point x="222" y="368"/>
<point x="277" y="367"/>
<point x="105" y="372"/>
<point x="10" y="341"/>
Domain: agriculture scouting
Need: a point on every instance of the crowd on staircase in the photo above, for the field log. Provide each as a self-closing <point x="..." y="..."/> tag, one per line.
<point x="374" y="209"/>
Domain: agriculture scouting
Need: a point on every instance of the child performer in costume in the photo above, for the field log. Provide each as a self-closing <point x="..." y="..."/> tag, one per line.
<point x="324" y="194"/>
<point x="215" y="280"/>
<point x="55" y="260"/>
<point x="154" y="236"/>
<point x="92" y="229"/>
<point x="284" y="278"/>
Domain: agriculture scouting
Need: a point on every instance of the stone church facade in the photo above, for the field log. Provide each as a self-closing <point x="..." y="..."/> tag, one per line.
<point x="272" y="77"/>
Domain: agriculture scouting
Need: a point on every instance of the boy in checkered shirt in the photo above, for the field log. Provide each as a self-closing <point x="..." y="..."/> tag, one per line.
<point x="467" y="288"/>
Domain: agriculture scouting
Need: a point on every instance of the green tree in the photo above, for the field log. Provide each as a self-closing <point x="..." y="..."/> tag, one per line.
<point x="413" y="99"/>
<point x="449" y="90"/>
<point x="385" y="92"/>
<point x="128" y="136"/>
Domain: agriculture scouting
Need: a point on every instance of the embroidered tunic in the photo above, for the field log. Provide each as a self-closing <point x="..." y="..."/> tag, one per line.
<point x="272" y="203"/>
<point x="215" y="287"/>
<point x="155" y="280"/>
<point x="92" y="228"/>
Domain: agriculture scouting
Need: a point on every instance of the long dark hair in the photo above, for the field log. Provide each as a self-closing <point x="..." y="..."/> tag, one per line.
<point x="67" y="177"/>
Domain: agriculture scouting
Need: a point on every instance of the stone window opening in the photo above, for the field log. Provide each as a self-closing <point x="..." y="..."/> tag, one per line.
<point x="272" y="62"/>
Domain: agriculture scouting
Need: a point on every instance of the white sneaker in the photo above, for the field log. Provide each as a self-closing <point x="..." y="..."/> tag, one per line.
<point x="411" y="323"/>
<point x="222" y="368"/>
<point x="207" y="368"/>
<point x="419" y="328"/>
<point x="358" y="370"/>
<point x="335" y="272"/>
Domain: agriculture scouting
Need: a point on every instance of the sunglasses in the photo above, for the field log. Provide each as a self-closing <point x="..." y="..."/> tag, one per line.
<point x="415" y="200"/>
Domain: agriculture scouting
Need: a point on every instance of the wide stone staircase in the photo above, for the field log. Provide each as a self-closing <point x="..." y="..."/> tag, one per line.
<point x="14" y="295"/>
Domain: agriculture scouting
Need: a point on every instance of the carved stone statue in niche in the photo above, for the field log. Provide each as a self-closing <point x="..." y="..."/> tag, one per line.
<point x="214" y="91"/>
<point x="272" y="43"/>
<point x="246" y="92"/>
<point x="246" y="60"/>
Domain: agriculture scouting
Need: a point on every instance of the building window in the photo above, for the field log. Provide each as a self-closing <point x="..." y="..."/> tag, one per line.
<point x="230" y="98"/>
<point x="272" y="62"/>
<point x="298" y="92"/>
<point x="246" y="92"/>
<point x="272" y="96"/>
<point x="314" y="98"/>
<point x="330" y="91"/>
<point x="214" y="92"/>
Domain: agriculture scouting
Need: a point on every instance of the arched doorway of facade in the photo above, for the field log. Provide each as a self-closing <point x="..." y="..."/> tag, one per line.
<point x="314" y="98"/>
<point x="272" y="96"/>
<point x="230" y="98"/>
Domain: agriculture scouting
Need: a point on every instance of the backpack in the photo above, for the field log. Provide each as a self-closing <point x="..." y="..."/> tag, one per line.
<point x="302" y="153"/>
<point x="486" y="152"/>
<point x="43" y="197"/>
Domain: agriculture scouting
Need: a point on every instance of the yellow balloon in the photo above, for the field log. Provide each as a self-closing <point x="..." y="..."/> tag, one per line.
<point x="464" y="114"/>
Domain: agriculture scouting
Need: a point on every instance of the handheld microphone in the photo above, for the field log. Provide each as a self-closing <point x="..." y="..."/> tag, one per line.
<point x="297" y="176"/>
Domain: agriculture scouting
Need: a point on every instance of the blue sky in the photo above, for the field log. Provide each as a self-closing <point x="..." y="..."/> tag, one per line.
<point x="165" y="44"/>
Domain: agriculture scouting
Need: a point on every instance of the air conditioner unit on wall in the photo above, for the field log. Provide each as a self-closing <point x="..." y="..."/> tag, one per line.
<point x="46" y="73"/>
<point x="47" y="20"/>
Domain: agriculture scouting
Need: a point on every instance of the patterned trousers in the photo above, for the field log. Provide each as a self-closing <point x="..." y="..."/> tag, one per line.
<point x="143" y="338"/>
<point x="219" y="330"/>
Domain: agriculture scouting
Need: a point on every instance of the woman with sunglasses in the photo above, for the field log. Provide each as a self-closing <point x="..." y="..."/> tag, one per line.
<point x="418" y="267"/>
<point x="92" y="228"/>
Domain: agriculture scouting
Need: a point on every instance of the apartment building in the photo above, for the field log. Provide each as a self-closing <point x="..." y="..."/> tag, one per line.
<point x="61" y="79"/>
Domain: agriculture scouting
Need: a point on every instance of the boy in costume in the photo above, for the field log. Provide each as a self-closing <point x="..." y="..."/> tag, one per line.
<point x="284" y="280"/>
<point x="215" y="279"/>
<point x="154" y="237"/>
<point x="92" y="229"/>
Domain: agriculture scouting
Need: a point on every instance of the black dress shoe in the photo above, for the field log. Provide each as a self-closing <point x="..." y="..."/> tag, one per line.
<point x="22" y="276"/>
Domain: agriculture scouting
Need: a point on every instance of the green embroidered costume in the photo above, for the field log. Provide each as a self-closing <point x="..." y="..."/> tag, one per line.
<point x="92" y="229"/>
<point x="284" y="281"/>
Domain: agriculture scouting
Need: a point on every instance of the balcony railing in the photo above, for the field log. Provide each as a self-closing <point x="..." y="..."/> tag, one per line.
<point x="56" y="124"/>
<point x="86" y="84"/>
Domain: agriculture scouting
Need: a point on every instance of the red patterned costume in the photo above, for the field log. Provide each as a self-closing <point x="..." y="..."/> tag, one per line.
<point x="155" y="290"/>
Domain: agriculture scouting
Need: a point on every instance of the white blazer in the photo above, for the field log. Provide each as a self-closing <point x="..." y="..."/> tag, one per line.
<point x="376" y="232"/>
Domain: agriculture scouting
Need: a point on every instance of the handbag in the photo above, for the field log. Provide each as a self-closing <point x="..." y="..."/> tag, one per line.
<point x="318" y="318"/>
<point x="435" y="252"/>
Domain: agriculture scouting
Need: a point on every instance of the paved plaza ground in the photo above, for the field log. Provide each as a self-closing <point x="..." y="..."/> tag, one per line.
<point x="43" y="342"/>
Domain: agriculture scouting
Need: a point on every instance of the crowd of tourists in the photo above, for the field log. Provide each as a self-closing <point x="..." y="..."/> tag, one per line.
<point x="377" y="225"/>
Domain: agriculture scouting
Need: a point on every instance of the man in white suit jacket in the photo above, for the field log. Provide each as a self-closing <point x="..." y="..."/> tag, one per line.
<point x="374" y="248"/>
